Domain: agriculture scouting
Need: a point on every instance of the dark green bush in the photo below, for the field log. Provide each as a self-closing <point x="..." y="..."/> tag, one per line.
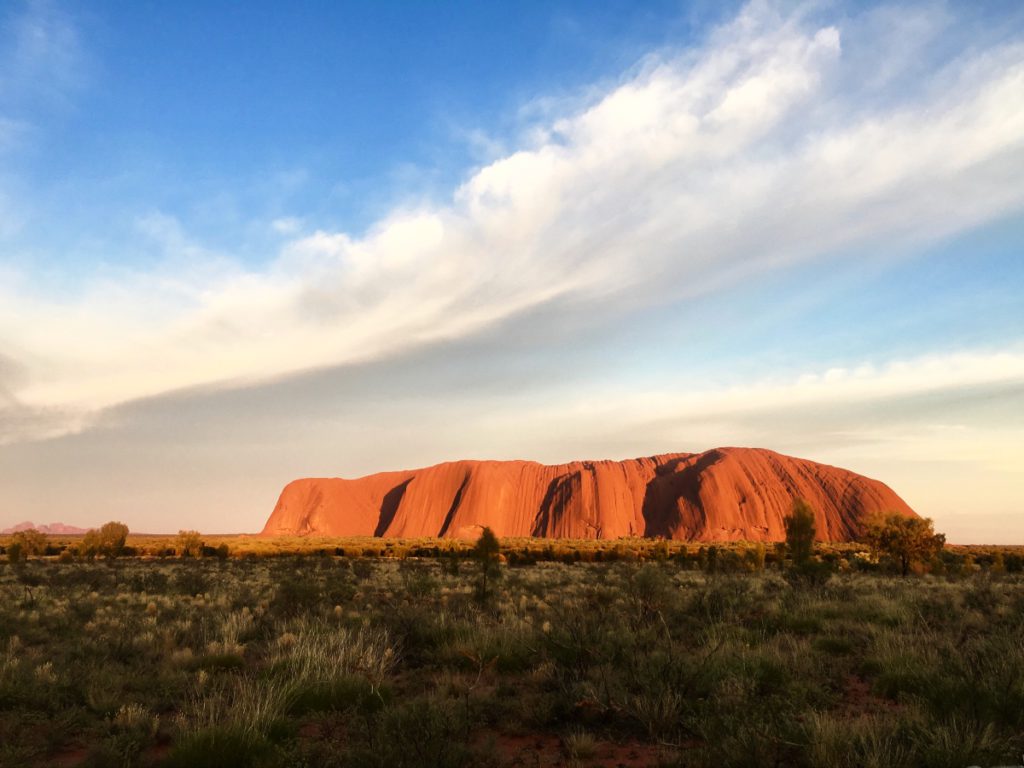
<point x="296" y="595"/>
<point x="348" y="693"/>
<point x="191" y="579"/>
<point x="221" y="747"/>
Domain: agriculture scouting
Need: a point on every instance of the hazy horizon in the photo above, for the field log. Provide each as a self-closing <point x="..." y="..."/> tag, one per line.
<point x="243" y="245"/>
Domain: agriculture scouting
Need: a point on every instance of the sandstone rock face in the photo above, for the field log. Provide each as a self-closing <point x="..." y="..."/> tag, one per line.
<point x="726" y="494"/>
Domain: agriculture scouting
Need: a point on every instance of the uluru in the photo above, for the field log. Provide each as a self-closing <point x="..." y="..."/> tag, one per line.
<point x="724" y="494"/>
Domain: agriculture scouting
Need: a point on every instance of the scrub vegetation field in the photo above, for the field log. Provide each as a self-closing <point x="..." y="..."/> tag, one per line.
<point x="378" y="654"/>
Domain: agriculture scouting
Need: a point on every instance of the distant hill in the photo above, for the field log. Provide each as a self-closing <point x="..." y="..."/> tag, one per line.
<point x="55" y="529"/>
<point x="725" y="494"/>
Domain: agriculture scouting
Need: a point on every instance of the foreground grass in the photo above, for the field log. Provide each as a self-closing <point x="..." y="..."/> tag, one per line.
<point x="527" y="550"/>
<point x="324" y="661"/>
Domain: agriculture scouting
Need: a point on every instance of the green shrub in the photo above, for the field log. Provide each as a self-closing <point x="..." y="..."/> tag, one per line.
<point x="487" y="553"/>
<point x="30" y="542"/>
<point x="191" y="580"/>
<point x="188" y="544"/>
<point x="800" y="532"/>
<point x="296" y="595"/>
<point x="421" y="732"/>
<point x="835" y="645"/>
<point x="345" y="693"/>
<point x="226" y="746"/>
<point x="15" y="552"/>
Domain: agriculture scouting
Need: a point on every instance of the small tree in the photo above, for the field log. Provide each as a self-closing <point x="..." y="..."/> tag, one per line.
<point x="188" y="544"/>
<point x="907" y="540"/>
<point x="31" y="541"/>
<point x="711" y="559"/>
<point x="89" y="546"/>
<point x="487" y="552"/>
<point x="15" y="552"/>
<point x="112" y="538"/>
<point x="755" y="557"/>
<point x="660" y="551"/>
<point x="800" y="533"/>
<point x="107" y="541"/>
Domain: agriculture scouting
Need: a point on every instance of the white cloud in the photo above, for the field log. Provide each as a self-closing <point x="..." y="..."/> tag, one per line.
<point x="286" y="225"/>
<point x="696" y="171"/>
<point x="839" y="389"/>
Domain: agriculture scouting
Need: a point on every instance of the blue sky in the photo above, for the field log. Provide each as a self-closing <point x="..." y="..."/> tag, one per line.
<point x="229" y="116"/>
<point x="240" y="244"/>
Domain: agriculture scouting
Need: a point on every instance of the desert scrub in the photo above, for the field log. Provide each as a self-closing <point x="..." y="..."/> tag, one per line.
<point x="316" y="651"/>
<point x="395" y="661"/>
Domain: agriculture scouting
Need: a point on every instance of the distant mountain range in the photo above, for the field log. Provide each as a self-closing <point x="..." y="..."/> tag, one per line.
<point x="59" y="529"/>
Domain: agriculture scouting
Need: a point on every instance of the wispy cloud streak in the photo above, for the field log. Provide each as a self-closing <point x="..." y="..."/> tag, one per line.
<point x="700" y="169"/>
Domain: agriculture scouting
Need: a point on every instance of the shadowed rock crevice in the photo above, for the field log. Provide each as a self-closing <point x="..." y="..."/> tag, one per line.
<point x="389" y="507"/>
<point x="672" y="500"/>
<point x="447" y="524"/>
<point x="552" y="501"/>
